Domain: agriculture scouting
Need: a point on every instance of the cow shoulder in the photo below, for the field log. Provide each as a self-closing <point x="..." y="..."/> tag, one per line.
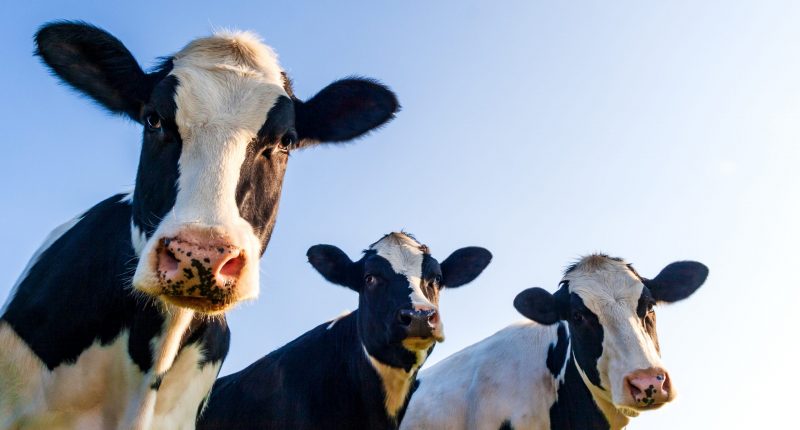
<point x="81" y="269"/>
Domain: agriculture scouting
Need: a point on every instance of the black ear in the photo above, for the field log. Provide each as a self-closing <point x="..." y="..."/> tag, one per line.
<point x="538" y="305"/>
<point x="344" y="110"/>
<point x="96" y="64"/>
<point x="677" y="281"/>
<point x="332" y="263"/>
<point x="464" y="265"/>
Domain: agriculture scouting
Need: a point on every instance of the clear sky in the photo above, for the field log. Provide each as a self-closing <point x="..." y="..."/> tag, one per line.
<point x="540" y="130"/>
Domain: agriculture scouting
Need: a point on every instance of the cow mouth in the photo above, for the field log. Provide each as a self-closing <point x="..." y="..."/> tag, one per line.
<point x="199" y="304"/>
<point x="634" y="410"/>
<point x="416" y="343"/>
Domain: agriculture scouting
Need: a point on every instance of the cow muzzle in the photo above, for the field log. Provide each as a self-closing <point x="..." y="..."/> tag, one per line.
<point x="648" y="388"/>
<point x="422" y="327"/>
<point x="199" y="269"/>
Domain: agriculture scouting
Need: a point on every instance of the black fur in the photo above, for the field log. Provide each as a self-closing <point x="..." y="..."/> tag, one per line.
<point x="323" y="379"/>
<point x="677" y="281"/>
<point x="575" y="408"/>
<point x="506" y="425"/>
<point x="345" y="110"/>
<point x="78" y="293"/>
<point x="557" y="352"/>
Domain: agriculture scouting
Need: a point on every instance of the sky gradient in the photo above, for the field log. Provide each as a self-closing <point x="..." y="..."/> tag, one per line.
<point x="541" y="131"/>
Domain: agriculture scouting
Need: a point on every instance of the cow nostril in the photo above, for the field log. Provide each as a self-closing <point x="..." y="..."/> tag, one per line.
<point x="167" y="261"/>
<point x="232" y="267"/>
<point x="433" y="318"/>
<point x="404" y="318"/>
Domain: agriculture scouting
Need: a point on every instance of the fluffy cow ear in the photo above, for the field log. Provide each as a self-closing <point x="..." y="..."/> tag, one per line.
<point x="677" y="281"/>
<point x="344" y="110"/>
<point x="464" y="265"/>
<point x="538" y="305"/>
<point x="332" y="263"/>
<point x="95" y="63"/>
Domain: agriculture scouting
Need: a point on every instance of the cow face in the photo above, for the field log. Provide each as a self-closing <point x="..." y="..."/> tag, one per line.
<point x="219" y="120"/>
<point x="612" y="325"/>
<point x="399" y="282"/>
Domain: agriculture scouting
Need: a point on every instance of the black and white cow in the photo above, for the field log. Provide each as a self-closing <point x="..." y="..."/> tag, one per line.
<point x="590" y="360"/>
<point x="356" y="371"/>
<point x="108" y="326"/>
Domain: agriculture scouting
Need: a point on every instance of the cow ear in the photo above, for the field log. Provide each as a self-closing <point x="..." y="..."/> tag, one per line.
<point x="96" y="64"/>
<point x="464" y="265"/>
<point x="538" y="305"/>
<point x="677" y="281"/>
<point x="332" y="263"/>
<point x="344" y="110"/>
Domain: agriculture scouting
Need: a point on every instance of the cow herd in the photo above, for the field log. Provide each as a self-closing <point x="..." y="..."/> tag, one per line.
<point x="117" y="322"/>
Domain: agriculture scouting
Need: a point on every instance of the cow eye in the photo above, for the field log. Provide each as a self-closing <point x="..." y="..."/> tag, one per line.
<point x="651" y="308"/>
<point x="153" y="122"/>
<point x="577" y="316"/>
<point x="289" y="140"/>
<point x="438" y="279"/>
<point x="371" y="281"/>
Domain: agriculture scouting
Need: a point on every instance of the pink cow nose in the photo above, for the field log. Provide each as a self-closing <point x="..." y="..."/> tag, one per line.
<point x="649" y="387"/>
<point x="199" y="275"/>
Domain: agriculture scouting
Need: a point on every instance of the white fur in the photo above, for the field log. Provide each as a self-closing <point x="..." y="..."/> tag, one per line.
<point x="91" y="393"/>
<point x="611" y="291"/>
<point x="502" y="377"/>
<point x="183" y="389"/>
<point x="227" y="85"/>
<point x="505" y="377"/>
<point x="405" y="256"/>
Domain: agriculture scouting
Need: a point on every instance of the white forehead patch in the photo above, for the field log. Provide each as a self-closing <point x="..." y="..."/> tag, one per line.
<point x="226" y="82"/>
<point x="602" y="281"/>
<point x="405" y="256"/>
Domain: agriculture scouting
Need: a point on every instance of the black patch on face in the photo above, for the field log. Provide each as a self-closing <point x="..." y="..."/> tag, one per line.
<point x="378" y="325"/>
<point x="557" y="353"/>
<point x="506" y="425"/>
<point x="587" y="332"/>
<point x="647" y="315"/>
<point x="431" y="278"/>
<point x="157" y="176"/>
<point x="261" y="176"/>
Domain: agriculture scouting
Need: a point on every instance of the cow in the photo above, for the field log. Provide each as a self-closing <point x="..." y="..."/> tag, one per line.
<point x="589" y="359"/>
<point x="356" y="371"/>
<point x="117" y="321"/>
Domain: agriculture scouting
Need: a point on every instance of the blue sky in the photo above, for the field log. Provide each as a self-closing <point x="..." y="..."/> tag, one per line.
<point x="540" y="130"/>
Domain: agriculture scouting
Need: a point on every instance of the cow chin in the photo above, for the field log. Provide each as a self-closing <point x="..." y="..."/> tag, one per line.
<point x="197" y="297"/>
<point x="418" y="343"/>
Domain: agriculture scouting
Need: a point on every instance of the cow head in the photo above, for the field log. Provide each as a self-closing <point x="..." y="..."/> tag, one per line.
<point x="398" y="283"/>
<point x="612" y="324"/>
<point x="219" y="120"/>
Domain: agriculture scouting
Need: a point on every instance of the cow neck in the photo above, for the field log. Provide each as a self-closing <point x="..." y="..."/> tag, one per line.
<point x="615" y="420"/>
<point x="165" y="350"/>
<point x="360" y="379"/>
<point x="396" y="382"/>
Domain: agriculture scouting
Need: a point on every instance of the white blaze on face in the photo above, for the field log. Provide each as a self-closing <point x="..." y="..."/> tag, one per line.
<point x="227" y="84"/>
<point x="405" y="255"/>
<point x="612" y="291"/>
